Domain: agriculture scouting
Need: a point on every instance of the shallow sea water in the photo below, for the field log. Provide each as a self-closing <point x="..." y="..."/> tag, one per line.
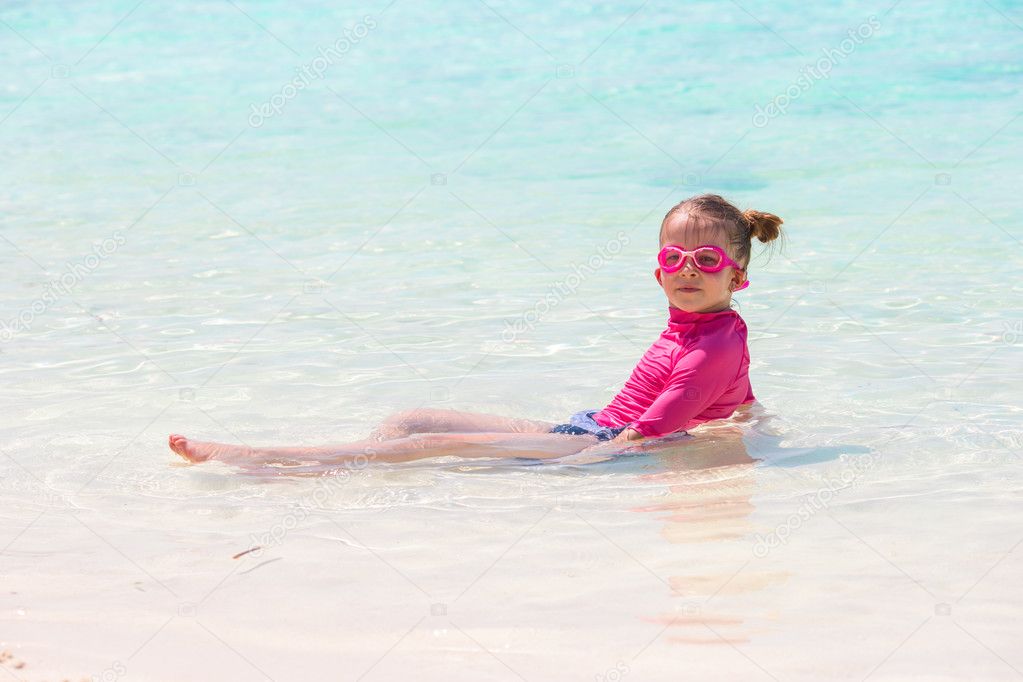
<point x="462" y="212"/>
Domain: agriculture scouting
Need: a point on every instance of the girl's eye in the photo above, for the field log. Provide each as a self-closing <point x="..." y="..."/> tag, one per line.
<point x="671" y="259"/>
<point x="708" y="258"/>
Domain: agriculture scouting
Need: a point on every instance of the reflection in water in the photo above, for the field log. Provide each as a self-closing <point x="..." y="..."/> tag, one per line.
<point x="709" y="481"/>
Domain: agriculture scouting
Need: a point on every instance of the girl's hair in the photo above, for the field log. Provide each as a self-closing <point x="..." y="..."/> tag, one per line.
<point x="740" y="226"/>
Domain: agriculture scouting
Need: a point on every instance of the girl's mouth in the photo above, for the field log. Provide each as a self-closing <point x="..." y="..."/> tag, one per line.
<point x="688" y="290"/>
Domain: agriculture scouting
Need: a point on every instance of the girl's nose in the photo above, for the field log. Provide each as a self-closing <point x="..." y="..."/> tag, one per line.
<point x="688" y="268"/>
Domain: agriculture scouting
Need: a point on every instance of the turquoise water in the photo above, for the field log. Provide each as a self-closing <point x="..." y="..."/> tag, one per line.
<point x="191" y="245"/>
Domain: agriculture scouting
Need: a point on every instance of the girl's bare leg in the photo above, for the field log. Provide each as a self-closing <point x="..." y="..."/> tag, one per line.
<point x="428" y="420"/>
<point x="406" y="449"/>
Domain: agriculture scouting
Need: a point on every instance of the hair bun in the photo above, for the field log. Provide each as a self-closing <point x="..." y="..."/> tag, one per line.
<point x="764" y="226"/>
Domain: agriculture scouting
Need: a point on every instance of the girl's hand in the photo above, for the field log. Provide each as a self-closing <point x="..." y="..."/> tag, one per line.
<point x="603" y="450"/>
<point x="628" y="435"/>
<point x="628" y="441"/>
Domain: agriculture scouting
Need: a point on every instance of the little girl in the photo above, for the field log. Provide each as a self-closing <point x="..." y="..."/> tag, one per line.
<point x="695" y="372"/>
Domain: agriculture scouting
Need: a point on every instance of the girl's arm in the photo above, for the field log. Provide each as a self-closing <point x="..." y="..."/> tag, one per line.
<point x="696" y="382"/>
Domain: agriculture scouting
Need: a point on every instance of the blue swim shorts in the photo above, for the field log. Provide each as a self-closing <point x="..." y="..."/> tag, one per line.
<point x="582" y="424"/>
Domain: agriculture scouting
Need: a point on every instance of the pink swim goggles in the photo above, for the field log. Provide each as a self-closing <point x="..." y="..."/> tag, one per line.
<point x="708" y="258"/>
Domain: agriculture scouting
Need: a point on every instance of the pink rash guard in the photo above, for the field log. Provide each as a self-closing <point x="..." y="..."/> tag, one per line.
<point x="696" y="371"/>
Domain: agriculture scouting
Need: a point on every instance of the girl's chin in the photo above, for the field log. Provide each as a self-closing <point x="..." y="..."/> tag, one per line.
<point x="689" y="300"/>
<point x="691" y="305"/>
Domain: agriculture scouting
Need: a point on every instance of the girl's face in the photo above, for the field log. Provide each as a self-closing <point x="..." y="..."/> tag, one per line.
<point x="690" y="288"/>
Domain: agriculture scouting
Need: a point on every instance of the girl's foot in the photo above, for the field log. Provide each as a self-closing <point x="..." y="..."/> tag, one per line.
<point x="200" y="451"/>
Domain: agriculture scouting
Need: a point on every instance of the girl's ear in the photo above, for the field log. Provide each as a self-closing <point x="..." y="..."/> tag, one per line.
<point x="657" y="275"/>
<point x="738" y="277"/>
